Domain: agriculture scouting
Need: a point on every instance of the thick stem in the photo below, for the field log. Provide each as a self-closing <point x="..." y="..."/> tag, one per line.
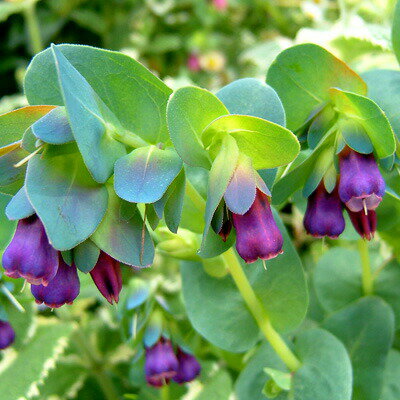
<point x="253" y="303"/>
<point x="164" y="392"/>
<point x="32" y="26"/>
<point x="367" y="277"/>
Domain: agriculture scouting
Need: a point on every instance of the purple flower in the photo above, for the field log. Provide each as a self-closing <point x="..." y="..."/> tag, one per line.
<point x="62" y="289"/>
<point x="107" y="277"/>
<point x="364" y="224"/>
<point x="324" y="215"/>
<point x="161" y="363"/>
<point x="188" y="367"/>
<point x="257" y="235"/>
<point x="7" y="335"/>
<point x="193" y="63"/>
<point x="361" y="184"/>
<point x="29" y="254"/>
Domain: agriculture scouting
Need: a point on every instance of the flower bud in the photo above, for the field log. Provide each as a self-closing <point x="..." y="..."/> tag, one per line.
<point x="361" y="184"/>
<point x="7" y="335"/>
<point x="29" y="254"/>
<point x="324" y="215"/>
<point x="364" y="224"/>
<point x="257" y="235"/>
<point x="188" y="367"/>
<point x="161" y="363"/>
<point x="62" y="289"/>
<point x="106" y="275"/>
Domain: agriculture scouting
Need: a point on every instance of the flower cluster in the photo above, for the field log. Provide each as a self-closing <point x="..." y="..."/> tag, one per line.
<point x="359" y="191"/>
<point x="163" y="364"/>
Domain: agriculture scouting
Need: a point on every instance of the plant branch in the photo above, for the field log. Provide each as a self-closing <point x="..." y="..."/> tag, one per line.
<point x="367" y="277"/>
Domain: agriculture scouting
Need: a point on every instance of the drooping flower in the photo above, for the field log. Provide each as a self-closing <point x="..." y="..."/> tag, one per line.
<point x="257" y="235"/>
<point x="361" y="184"/>
<point x="107" y="277"/>
<point x="364" y="223"/>
<point x="7" y="335"/>
<point x="29" y="254"/>
<point x="188" y="367"/>
<point x="324" y="215"/>
<point x="161" y="363"/>
<point x="62" y="289"/>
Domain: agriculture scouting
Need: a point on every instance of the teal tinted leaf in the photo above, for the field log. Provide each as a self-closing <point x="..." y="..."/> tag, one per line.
<point x="144" y="175"/>
<point x="320" y="125"/>
<point x="64" y="195"/>
<point x="250" y="96"/>
<point x="86" y="255"/>
<point x="355" y="136"/>
<point x="189" y="111"/>
<point x="218" y="312"/>
<point x="391" y="379"/>
<point x="53" y="127"/>
<point x="302" y="76"/>
<point x="268" y="145"/>
<point x="366" y="328"/>
<point x="98" y="149"/>
<point x="370" y="116"/>
<point x="15" y="123"/>
<point x="122" y="236"/>
<point x="19" y="206"/>
<point x="116" y="78"/>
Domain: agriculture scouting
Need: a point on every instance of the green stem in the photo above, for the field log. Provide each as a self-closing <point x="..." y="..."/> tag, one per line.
<point x="164" y="392"/>
<point x="128" y="138"/>
<point x="253" y="303"/>
<point x="367" y="277"/>
<point x="32" y="25"/>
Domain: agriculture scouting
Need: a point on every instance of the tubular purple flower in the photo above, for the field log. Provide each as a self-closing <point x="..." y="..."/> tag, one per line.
<point x="106" y="275"/>
<point x="361" y="184"/>
<point x="257" y="235"/>
<point x="364" y="224"/>
<point x="188" y="367"/>
<point x="161" y="363"/>
<point x="29" y="254"/>
<point x="324" y="214"/>
<point x="62" y="289"/>
<point x="7" y="335"/>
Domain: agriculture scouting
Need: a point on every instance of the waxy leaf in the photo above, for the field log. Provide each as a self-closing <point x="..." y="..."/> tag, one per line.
<point x="189" y="111"/>
<point x="250" y="96"/>
<point x="98" y="149"/>
<point x="117" y="79"/>
<point x="19" y="206"/>
<point x="86" y="255"/>
<point x="391" y="379"/>
<point x="143" y="176"/>
<point x="11" y="177"/>
<point x="302" y="76"/>
<point x="64" y="195"/>
<point x="267" y="144"/>
<point x="54" y="127"/>
<point x="355" y="136"/>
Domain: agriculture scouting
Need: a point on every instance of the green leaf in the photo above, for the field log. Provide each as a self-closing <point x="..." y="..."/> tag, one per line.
<point x="122" y="235"/>
<point x="355" y="136"/>
<point x="12" y="178"/>
<point x="19" y="206"/>
<point x="370" y="116"/>
<point x="268" y="145"/>
<point x="250" y="96"/>
<point x="144" y="175"/>
<point x="116" y="78"/>
<point x="218" y="312"/>
<point x="396" y="31"/>
<point x="15" y="123"/>
<point x="22" y="376"/>
<point x="66" y="198"/>
<point x="216" y="386"/>
<point x="302" y="76"/>
<point x="189" y="111"/>
<point x="366" y="328"/>
<point x="98" y="149"/>
<point x="279" y="381"/>
<point x="320" y="125"/>
<point x="86" y="255"/>
<point x="54" y="127"/>
<point x="391" y="378"/>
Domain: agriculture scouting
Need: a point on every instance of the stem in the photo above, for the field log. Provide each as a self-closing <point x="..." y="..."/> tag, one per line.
<point x="164" y="392"/>
<point x="126" y="137"/>
<point x="367" y="277"/>
<point x="32" y="25"/>
<point x="195" y="197"/>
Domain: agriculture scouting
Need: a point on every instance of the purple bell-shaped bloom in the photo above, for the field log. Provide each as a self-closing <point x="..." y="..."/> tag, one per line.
<point x="324" y="215"/>
<point x="361" y="184"/>
<point x="62" y="289"/>
<point x="161" y="363"/>
<point x="7" y="335"/>
<point x="107" y="277"/>
<point x="29" y="254"/>
<point x="188" y="367"/>
<point x="364" y="223"/>
<point x="257" y="235"/>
